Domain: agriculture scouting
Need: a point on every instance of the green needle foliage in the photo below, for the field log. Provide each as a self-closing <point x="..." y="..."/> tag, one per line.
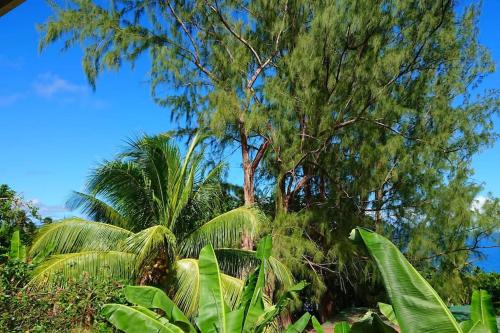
<point x="156" y="211"/>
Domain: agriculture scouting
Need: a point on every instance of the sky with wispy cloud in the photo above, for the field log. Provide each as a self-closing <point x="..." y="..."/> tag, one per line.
<point x="54" y="128"/>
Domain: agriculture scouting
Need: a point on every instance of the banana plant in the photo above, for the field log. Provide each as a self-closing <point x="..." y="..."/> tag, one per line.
<point x="482" y="314"/>
<point x="18" y="250"/>
<point x="416" y="306"/>
<point x="370" y="323"/>
<point x="253" y="312"/>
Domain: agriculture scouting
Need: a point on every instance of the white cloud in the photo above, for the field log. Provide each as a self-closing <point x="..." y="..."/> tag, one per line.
<point x="47" y="85"/>
<point x="8" y="100"/>
<point x="49" y="210"/>
<point x="478" y="203"/>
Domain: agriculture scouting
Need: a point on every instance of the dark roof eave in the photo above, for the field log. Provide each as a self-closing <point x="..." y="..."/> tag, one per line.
<point x="7" y="5"/>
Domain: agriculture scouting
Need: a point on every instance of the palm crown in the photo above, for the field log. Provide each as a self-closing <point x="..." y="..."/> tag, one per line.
<point x="152" y="206"/>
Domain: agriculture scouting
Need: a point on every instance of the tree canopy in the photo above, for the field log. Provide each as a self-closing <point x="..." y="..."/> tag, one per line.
<point x="352" y="112"/>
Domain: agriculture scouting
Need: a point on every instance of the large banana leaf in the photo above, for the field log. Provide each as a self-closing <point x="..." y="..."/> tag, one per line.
<point x="273" y="311"/>
<point x="300" y="325"/>
<point x="253" y="300"/>
<point x="212" y="310"/>
<point x="417" y="306"/>
<point x="17" y="249"/>
<point x="137" y="320"/>
<point x="317" y="325"/>
<point x="388" y="312"/>
<point x="342" y="327"/>
<point x="371" y="323"/>
<point x="154" y="298"/>
<point x="482" y="310"/>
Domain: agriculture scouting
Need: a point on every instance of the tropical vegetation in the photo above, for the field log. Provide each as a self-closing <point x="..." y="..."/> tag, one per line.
<point x="416" y="305"/>
<point x="345" y="113"/>
<point x="345" y="117"/>
<point x="155" y="211"/>
<point x="252" y="313"/>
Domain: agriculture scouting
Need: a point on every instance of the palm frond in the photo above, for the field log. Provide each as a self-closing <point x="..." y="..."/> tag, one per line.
<point x="58" y="269"/>
<point x="96" y="209"/>
<point x="159" y="162"/>
<point x="232" y="289"/>
<point x="148" y="243"/>
<point x="180" y="194"/>
<point x="188" y="287"/>
<point x="236" y="262"/>
<point x="75" y="234"/>
<point x="208" y="192"/>
<point x="281" y="273"/>
<point x="127" y="189"/>
<point x="224" y="231"/>
<point x="239" y="262"/>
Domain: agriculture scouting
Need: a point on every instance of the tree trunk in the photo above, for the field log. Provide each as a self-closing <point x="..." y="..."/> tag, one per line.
<point x="248" y="170"/>
<point x="248" y="190"/>
<point x="281" y="196"/>
<point x="248" y="183"/>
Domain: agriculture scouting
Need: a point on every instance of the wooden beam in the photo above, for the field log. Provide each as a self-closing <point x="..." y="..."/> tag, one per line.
<point x="8" y="5"/>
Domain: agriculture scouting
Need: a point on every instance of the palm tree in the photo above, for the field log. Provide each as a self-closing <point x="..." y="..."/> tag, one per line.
<point x="156" y="211"/>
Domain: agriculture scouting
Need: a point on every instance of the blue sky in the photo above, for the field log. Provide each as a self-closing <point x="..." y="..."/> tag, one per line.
<point x="54" y="129"/>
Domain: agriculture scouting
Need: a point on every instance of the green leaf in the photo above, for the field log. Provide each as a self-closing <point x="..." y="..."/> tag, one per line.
<point x="15" y="246"/>
<point x="22" y="253"/>
<point x="300" y="325"/>
<point x="75" y="234"/>
<point x="253" y="300"/>
<point x="43" y="254"/>
<point x="317" y="326"/>
<point x="479" y="328"/>
<point x="96" y="209"/>
<point x="59" y="268"/>
<point x="388" y="312"/>
<point x="188" y="287"/>
<point x="151" y="314"/>
<point x="147" y="243"/>
<point x="342" y="327"/>
<point x="225" y="230"/>
<point x="154" y="298"/>
<point x="264" y="249"/>
<point x="417" y="306"/>
<point x="235" y="261"/>
<point x="133" y="320"/>
<point x="212" y="311"/>
<point x="482" y="310"/>
<point x="466" y="326"/>
<point x="235" y="320"/>
<point x="371" y="323"/>
<point x="272" y="312"/>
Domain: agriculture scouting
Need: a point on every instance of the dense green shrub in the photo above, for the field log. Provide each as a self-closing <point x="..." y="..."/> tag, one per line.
<point x="75" y="307"/>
